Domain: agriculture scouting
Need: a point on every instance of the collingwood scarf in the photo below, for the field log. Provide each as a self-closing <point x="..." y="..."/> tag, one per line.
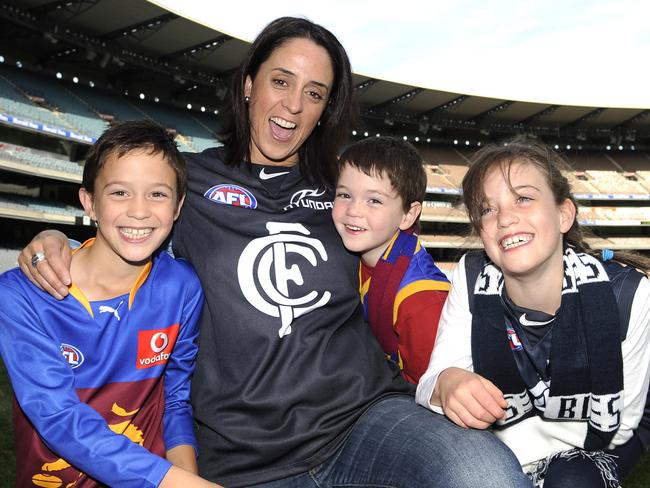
<point x="585" y="354"/>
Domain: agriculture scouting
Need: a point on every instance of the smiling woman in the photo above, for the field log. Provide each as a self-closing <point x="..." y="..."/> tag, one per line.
<point x="290" y="385"/>
<point x="287" y="98"/>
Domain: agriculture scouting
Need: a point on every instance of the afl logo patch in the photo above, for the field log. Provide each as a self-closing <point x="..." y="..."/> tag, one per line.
<point x="73" y="356"/>
<point x="513" y="339"/>
<point x="231" y="195"/>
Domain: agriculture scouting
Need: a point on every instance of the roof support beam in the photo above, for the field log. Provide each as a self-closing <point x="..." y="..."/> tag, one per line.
<point x="143" y="29"/>
<point x="204" y="47"/>
<point x="71" y="7"/>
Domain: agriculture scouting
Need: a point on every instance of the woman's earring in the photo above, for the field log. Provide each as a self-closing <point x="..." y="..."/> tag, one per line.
<point x="247" y="99"/>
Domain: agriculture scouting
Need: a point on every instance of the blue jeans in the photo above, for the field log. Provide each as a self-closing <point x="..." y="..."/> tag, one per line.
<point x="399" y="444"/>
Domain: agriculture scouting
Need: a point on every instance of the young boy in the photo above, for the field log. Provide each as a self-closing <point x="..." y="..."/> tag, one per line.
<point x="101" y="378"/>
<point x="379" y="192"/>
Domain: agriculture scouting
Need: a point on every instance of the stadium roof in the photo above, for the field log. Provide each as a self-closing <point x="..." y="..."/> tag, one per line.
<point x="133" y="46"/>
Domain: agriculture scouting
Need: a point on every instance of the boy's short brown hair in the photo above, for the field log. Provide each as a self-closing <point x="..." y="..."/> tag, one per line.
<point x="395" y="158"/>
<point x="133" y="135"/>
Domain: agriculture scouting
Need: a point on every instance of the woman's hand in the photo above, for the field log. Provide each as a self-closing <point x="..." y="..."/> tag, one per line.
<point x="468" y="399"/>
<point x="51" y="274"/>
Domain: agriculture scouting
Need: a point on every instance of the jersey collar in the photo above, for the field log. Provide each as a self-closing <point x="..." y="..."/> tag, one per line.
<point x="76" y="292"/>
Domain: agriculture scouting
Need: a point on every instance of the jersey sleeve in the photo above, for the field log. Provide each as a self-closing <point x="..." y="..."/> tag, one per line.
<point x="416" y="328"/>
<point x="45" y="390"/>
<point x="178" y="424"/>
<point x="454" y="339"/>
<point x="636" y="363"/>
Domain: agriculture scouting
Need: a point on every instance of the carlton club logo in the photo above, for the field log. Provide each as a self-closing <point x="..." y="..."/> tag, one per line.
<point x="72" y="355"/>
<point x="234" y="195"/>
<point x="155" y="346"/>
<point x="270" y="285"/>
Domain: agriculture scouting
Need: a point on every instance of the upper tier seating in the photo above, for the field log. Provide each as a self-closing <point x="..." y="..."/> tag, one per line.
<point x="59" y="99"/>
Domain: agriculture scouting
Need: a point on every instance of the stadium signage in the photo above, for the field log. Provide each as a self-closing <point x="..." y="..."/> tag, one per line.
<point x="40" y="127"/>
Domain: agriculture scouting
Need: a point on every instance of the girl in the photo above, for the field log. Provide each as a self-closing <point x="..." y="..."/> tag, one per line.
<point x="540" y="338"/>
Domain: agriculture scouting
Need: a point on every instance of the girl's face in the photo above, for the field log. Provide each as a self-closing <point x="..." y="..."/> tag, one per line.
<point x="521" y="225"/>
<point x="287" y="98"/>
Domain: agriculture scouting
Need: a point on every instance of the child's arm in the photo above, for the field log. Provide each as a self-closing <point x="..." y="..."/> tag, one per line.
<point x="44" y="386"/>
<point x="636" y="364"/>
<point x="183" y="456"/>
<point x="466" y="398"/>
<point x="416" y="327"/>
<point x="178" y="423"/>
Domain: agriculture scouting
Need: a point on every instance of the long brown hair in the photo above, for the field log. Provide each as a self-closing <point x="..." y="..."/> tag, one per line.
<point x="549" y="163"/>
<point x="317" y="155"/>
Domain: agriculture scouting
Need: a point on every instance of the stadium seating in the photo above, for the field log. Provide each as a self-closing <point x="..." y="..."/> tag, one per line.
<point x="22" y="159"/>
<point x="612" y="182"/>
<point x="25" y="208"/>
<point x="13" y="103"/>
<point x="109" y="105"/>
<point x="438" y="180"/>
<point x="433" y="211"/>
<point x="442" y="241"/>
<point x="591" y="161"/>
<point x="593" y="175"/>
<point x="63" y="103"/>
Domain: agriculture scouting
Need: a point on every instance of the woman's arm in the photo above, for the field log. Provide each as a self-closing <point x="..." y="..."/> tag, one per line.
<point x="53" y="273"/>
<point x="177" y="477"/>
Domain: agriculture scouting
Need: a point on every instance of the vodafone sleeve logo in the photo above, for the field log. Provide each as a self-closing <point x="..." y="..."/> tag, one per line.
<point x="155" y="346"/>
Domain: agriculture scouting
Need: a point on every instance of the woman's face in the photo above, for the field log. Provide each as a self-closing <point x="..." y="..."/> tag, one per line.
<point x="287" y="98"/>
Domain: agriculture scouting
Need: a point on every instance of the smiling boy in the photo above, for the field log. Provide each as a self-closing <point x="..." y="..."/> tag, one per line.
<point x="102" y="377"/>
<point x="379" y="192"/>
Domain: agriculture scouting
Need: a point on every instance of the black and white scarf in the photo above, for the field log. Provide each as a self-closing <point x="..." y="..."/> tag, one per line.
<point x="585" y="353"/>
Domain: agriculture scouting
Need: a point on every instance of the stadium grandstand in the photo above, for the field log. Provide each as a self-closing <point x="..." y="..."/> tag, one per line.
<point x="68" y="69"/>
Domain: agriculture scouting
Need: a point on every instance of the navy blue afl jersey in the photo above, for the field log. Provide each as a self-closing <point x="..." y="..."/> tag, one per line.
<point x="83" y="372"/>
<point x="286" y="364"/>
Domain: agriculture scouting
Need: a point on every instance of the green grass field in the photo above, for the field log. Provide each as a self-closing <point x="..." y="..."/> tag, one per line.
<point x="640" y="478"/>
<point x="7" y="458"/>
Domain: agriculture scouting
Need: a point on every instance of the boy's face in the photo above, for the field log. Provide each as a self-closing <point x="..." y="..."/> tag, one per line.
<point x="368" y="211"/>
<point x="135" y="204"/>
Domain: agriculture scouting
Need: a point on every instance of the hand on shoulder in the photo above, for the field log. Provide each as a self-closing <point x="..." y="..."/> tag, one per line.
<point x="52" y="272"/>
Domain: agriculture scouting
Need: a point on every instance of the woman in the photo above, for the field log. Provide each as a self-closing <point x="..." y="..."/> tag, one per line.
<point x="290" y="387"/>
<point x="540" y="325"/>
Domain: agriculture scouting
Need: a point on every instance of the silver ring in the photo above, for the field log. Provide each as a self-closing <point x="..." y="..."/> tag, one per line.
<point x="37" y="258"/>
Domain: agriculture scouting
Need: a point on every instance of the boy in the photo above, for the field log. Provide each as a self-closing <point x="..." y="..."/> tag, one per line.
<point x="101" y="378"/>
<point x="379" y="192"/>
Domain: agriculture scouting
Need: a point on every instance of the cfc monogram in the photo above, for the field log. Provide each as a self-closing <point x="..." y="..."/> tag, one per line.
<point x="264" y="276"/>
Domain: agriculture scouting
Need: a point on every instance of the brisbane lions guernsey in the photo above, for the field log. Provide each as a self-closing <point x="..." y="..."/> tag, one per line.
<point x="286" y="363"/>
<point x="83" y="372"/>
